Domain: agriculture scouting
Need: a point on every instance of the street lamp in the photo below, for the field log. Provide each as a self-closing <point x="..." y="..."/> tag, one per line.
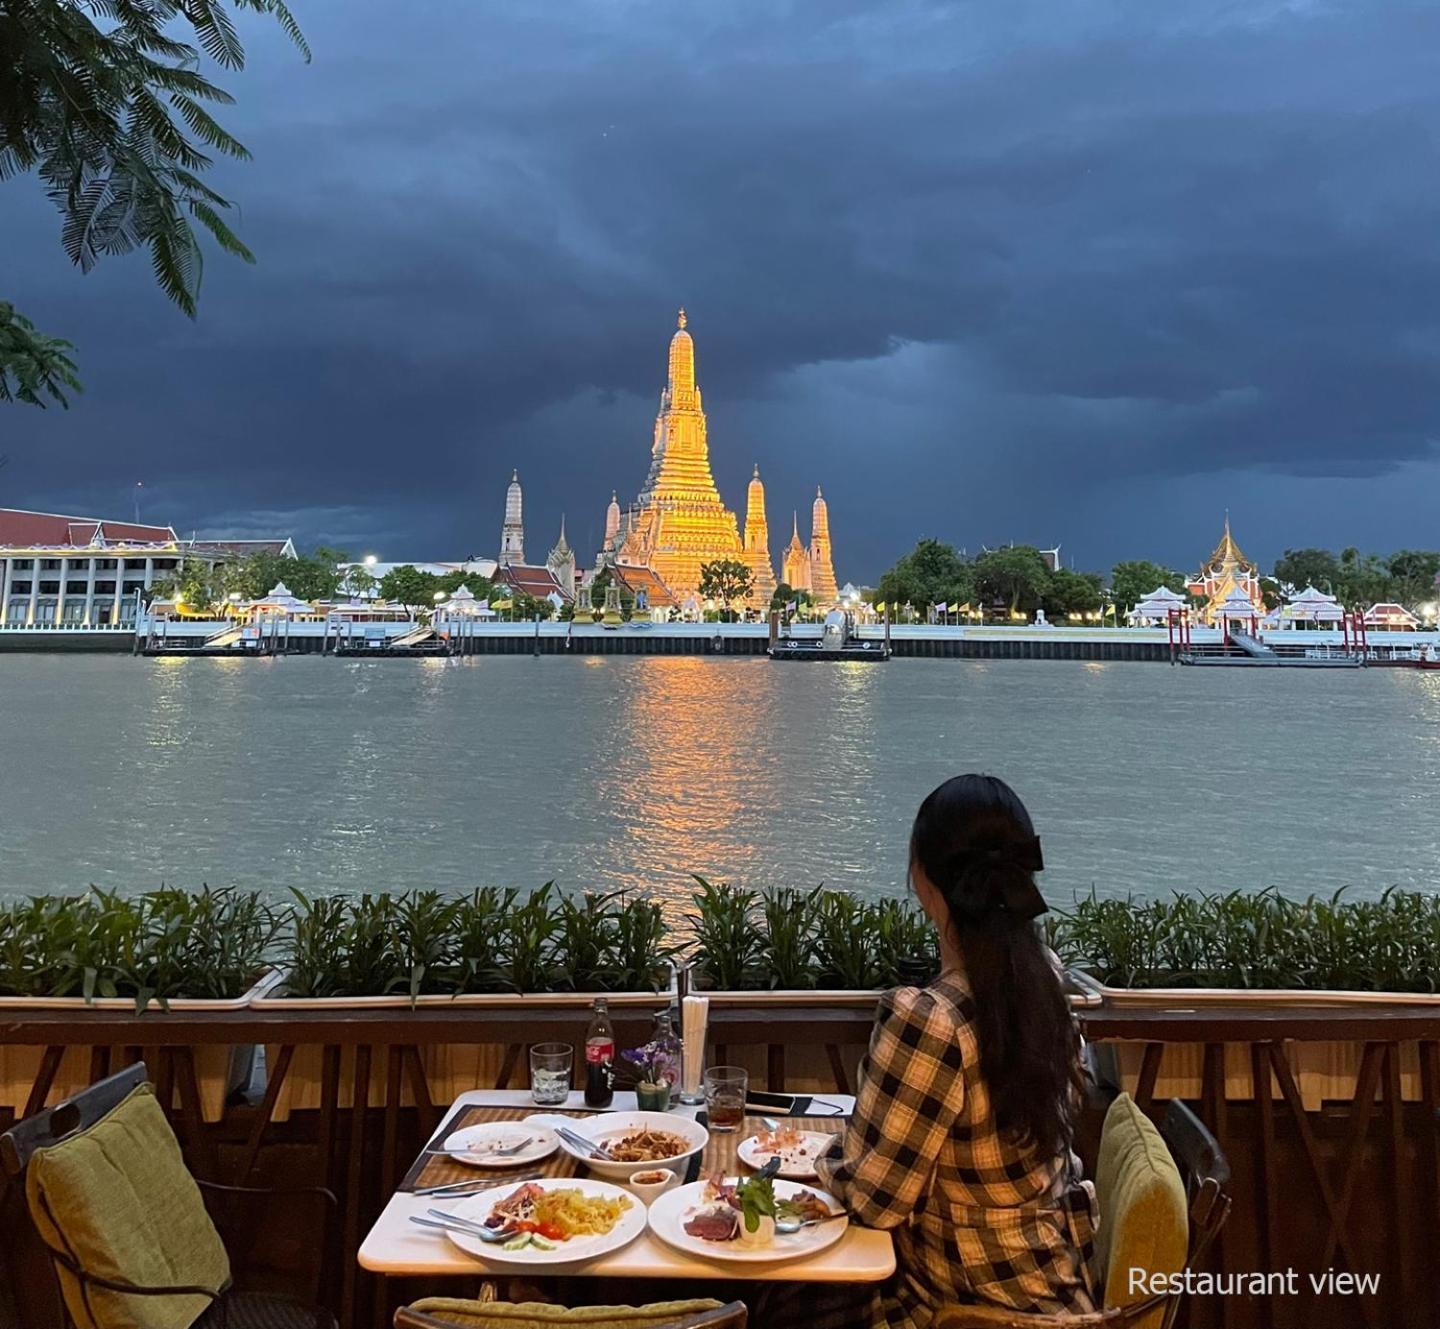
<point x="371" y="560"/>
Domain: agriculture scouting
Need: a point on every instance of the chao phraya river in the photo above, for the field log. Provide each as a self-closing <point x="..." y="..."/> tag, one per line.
<point x="610" y="772"/>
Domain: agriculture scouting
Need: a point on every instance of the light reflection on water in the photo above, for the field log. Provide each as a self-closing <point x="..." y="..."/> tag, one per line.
<point x="636" y="772"/>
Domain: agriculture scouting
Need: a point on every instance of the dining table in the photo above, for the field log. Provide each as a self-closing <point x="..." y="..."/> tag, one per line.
<point x="395" y="1246"/>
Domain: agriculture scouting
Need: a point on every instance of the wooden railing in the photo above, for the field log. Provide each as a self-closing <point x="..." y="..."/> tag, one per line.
<point x="1349" y="1182"/>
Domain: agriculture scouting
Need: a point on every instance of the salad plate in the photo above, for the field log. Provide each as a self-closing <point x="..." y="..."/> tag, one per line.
<point x="566" y="1219"/>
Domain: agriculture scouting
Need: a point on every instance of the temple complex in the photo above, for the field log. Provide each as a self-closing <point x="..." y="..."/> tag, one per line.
<point x="757" y="544"/>
<point x="512" y="533"/>
<point x="679" y="523"/>
<point x="822" y="569"/>
<point x="795" y="572"/>
<point x="1226" y="570"/>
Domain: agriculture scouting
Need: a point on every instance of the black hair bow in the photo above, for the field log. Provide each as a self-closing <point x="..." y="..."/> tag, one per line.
<point x="1012" y="892"/>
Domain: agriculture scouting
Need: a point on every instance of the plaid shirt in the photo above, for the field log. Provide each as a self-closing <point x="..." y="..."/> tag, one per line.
<point x="976" y="1218"/>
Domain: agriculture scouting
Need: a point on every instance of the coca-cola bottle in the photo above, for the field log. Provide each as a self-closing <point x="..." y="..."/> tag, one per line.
<point x="600" y="1058"/>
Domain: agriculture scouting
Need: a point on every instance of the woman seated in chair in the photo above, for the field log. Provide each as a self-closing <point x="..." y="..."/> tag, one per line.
<point x="961" y="1138"/>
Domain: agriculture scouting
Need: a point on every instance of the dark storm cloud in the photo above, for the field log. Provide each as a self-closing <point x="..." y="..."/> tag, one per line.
<point x="976" y="268"/>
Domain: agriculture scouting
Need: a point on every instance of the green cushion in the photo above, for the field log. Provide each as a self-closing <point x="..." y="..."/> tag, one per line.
<point x="118" y="1199"/>
<point x="1144" y="1223"/>
<point x="537" y="1315"/>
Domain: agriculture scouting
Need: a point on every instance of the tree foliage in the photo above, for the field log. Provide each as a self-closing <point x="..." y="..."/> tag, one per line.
<point x="931" y="573"/>
<point x="1357" y="580"/>
<point x="725" y="580"/>
<point x="1016" y="576"/>
<point x="32" y="365"/>
<point x="1132" y="581"/>
<point x="105" y="101"/>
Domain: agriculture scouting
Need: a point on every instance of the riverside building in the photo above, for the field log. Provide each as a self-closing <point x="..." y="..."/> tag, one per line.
<point x="58" y="570"/>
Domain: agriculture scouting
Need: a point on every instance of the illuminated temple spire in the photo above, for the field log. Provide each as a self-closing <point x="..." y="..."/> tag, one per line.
<point x="757" y="544"/>
<point x="679" y="523"/>
<point x="796" y="569"/>
<point x="512" y="533"/>
<point x="822" y="567"/>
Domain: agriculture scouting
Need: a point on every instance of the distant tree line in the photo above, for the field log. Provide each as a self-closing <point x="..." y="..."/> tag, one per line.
<point x="1017" y="579"/>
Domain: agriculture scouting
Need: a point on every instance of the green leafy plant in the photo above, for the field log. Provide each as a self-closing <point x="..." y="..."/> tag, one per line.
<point x="643" y="949"/>
<point x="589" y="933"/>
<point x="790" y="919"/>
<point x="481" y="923"/>
<point x="844" y="945"/>
<point x="530" y="943"/>
<point x="729" y="949"/>
<point x="166" y="944"/>
<point x="1256" y="940"/>
<point x="905" y="946"/>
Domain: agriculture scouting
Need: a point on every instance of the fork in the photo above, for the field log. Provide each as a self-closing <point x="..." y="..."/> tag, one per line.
<point x="593" y="1147"/>
<point x="459" y="1189"/>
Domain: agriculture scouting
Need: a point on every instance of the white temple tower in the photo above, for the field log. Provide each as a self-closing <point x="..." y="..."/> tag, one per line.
<point x="512" y="533"/>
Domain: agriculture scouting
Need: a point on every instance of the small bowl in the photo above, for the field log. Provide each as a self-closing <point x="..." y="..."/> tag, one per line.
<point x="649" y="1185"/>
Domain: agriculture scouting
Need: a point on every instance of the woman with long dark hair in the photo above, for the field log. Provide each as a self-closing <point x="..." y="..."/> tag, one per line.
<point x="961" y="1138"/>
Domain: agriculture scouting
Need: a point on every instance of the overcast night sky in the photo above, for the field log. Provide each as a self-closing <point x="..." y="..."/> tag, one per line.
<point x="1034" y="270"/>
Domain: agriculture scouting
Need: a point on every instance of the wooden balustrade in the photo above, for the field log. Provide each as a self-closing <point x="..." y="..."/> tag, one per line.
<point x="1351" y="1182"/>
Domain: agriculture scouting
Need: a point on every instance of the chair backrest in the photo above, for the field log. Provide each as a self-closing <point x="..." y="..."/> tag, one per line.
<point x="50" y="1126"/>
<point x="109" y="1195"/>
<point x="1144" y="1227"/>
<point x="1206" y="1171"/>
<point x="450" y="1313"/>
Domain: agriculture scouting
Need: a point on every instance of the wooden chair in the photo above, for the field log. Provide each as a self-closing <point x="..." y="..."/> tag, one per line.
<point x="41" y="1261"/>
<point x="447" y="1313"/>
<point x="1205" y="1173"/>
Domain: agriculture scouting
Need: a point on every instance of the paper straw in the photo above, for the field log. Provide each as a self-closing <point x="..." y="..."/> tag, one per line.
<point x="694" y="1016"/>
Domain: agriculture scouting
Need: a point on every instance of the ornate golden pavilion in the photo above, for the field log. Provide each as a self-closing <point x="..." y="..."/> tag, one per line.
<point x="1224" y="570"/>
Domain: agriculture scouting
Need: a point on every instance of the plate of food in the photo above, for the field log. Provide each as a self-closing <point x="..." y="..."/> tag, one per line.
<point x="637" y="1142"/>
<point x="501" y="1144"/>
<point x="797" y="1150"/>
<point x="749" y="1220"/>
<point x="556" y="1220"/>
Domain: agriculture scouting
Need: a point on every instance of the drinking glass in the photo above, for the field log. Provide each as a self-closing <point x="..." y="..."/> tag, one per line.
<point x="725" y="1088"/>
<point x="551" y="1065"/>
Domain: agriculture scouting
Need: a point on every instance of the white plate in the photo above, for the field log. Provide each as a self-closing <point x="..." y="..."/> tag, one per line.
<point x="670" y="1212"/>
<point x="477" y="1208"/>
<point x="477" y="1145"/>
<point x="607" y="1126"/>
<point x="797" y="1165"/>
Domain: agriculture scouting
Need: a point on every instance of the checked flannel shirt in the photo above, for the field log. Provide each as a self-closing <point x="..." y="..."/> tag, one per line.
<point x="975" y="1217"/>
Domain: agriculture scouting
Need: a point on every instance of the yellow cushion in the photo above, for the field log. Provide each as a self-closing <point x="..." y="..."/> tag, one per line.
<point x="1144" y="1223"/>
<point x="537" y="1315"/>
<point x="118" y="1199"/>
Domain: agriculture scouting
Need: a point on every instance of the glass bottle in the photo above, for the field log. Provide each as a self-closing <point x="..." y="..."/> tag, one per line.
<point x="600" y="1058"/>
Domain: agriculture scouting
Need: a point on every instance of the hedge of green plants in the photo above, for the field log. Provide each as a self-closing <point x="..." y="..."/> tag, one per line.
<point x="215" y="943"/>
<point x="1256" y="940"/>
<point x="152" y="947"/>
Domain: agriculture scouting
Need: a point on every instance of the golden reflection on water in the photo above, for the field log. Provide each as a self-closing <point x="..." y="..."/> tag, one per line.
<point x="701" y="774"/>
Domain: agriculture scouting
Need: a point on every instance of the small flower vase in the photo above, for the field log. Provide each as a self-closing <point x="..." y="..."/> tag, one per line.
<point x="653" y="1097"/>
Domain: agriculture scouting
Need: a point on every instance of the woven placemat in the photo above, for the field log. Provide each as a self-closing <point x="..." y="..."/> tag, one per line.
<point x="717" y="1156"/>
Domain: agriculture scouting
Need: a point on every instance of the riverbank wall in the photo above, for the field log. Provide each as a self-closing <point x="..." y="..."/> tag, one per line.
<point x="912" y="641"/>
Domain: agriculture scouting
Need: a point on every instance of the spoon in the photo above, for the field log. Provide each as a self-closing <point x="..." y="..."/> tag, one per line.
<point x="795" y="1224"/>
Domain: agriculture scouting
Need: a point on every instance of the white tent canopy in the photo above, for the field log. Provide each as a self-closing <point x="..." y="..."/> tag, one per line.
<point x="1312" y="606"/>
<point x="1158" y="604"/>
<point x="1237" y="605"/>
<point x="280" y="601"/>
<point x="464" y="603"/>
<point x="1390" y="615"/>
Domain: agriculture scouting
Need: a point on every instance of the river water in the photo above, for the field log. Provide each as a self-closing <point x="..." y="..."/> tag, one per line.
<point x="608" y="772"/>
